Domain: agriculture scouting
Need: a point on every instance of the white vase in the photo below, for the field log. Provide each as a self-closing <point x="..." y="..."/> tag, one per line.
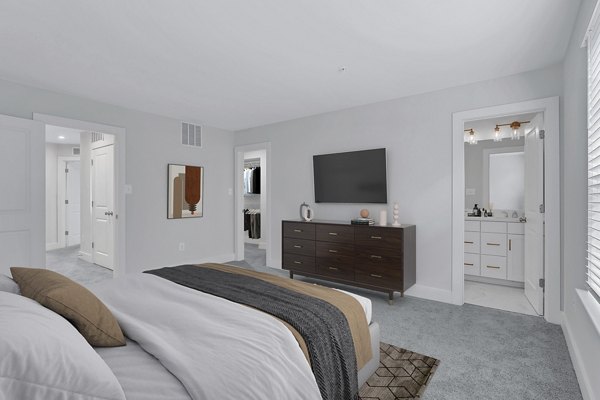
<point x="383" y="217"/>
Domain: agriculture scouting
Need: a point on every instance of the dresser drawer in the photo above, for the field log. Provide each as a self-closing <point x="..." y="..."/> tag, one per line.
<point x="299" y="230"/>
<point x="334" y="233"/>
<point x="379" y="276"/>
<point x="493" y="227"/>
<point x="330" y="267"/>
<point x="472" y="264"/>
<point x="493" y="266"/>
<point x="493" y="244"/>
<point x="472" y="226"/>
<point x="378" y="237"/>
<point x="298" y="262"/>
<point x="516" y="228"/>
<point x="471" y="242"/>
<point x="299" y="246"/>
<point x="332" y="249"/>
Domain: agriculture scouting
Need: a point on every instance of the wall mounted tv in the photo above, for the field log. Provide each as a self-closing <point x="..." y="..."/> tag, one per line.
<point x="351" y="177"/>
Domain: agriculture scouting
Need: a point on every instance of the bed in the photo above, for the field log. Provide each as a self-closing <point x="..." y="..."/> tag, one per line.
<point x="185" y="343"/>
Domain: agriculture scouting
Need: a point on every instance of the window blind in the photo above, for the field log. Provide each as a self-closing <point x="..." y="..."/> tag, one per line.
<point x="593" y="243"/>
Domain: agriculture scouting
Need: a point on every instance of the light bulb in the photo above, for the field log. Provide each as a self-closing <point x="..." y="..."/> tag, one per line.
<point x="497" y="134"/>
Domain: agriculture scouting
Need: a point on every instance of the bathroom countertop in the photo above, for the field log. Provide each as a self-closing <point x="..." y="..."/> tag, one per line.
<point x="492" y="219"/>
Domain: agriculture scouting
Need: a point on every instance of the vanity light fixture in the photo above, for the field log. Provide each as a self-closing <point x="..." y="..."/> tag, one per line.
<point x="497" y="134"/>
<point x="516" y="128"/>
<point x="472" y="139"/>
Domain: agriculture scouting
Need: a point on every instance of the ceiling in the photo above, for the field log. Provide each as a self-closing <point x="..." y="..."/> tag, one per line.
<point x="236" y="64"/>
<point x="58" y="134"/>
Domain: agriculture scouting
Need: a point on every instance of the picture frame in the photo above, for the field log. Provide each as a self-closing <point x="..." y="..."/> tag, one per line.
<point x="185" y="191"/>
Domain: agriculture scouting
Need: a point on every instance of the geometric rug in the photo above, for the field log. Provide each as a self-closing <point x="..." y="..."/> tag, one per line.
<point x="402" y="374"/>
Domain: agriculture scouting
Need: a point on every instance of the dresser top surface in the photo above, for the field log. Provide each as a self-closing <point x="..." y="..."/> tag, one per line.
<point x="347" y="223"/>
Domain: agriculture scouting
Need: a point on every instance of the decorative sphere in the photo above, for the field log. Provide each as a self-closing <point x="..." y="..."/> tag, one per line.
<point x="364" y="213"/>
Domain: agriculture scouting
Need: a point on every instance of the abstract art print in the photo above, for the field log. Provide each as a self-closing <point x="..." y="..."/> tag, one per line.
<point x="185" y="191"/>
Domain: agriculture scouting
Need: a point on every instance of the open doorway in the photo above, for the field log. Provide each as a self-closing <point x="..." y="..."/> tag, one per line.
<point x="82" y="200"/>
<point x="504" y="176"/>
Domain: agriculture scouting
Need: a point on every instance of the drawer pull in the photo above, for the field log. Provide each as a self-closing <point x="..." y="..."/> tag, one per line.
<point x="374" y="256"/>
<point x="297" y="246"/>
<point x="493" y="244"/>
<point x="297" y="262"/>
<point x="468" y="242"/>
<point x="376" y="276"/>
<point x="333" y="233"/>
<point x="493" y="266"/>
<point x="375" y="237"/>
<point x="298" y="230"/>
<point x="509" y="244"/>
<point x="333" y="251"/>
<point x="333" y="268"/>
<point x="470" y="265"/>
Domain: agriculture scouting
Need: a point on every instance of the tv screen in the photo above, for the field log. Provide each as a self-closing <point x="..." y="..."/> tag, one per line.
<point x="351" y="177"/>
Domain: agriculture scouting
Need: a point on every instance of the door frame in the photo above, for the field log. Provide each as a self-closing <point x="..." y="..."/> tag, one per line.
<point x="552" y="249"/>
<point x="121" y="188"/>
<point x="265" y="220"/>
<point x="61" y="185"/>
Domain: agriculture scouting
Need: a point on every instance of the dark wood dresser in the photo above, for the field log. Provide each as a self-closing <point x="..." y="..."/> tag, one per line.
<point x="374" y="257"/>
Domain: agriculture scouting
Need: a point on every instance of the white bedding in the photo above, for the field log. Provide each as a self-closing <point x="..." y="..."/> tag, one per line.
<point x="209" y="342"/>
<point x="364" y="302"/>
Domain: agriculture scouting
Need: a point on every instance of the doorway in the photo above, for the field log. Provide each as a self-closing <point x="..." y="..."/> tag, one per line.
<point x="503" y="179"/>
<point x="550" y="252"/>
<point x="252" y="204"/>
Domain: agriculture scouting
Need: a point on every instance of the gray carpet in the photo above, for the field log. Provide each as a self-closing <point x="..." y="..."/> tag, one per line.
<point x="484" y="353"/>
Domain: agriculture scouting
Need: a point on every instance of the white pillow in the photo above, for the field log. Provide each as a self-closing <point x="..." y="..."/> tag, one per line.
<point x="44" y="357"/>
<point x="8" y="285"/>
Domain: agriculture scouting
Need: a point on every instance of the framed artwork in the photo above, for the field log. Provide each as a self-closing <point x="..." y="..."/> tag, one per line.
<point x="185" y="191"/>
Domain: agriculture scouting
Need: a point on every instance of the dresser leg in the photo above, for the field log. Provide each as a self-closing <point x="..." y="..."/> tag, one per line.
<point x="291" y="275"/>
<point x="391" y="298"/>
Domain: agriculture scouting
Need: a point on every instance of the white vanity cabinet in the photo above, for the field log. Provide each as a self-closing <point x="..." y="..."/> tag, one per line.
<point x="494" y="249"/>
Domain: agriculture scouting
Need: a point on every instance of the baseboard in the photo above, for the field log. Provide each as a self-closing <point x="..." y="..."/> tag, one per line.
<point x="430" y="293"/>
<point x="575" y="353"/>
<point x="86" y="256"/>
<point x="52" y="246"/>
<point x="262" y="245"/>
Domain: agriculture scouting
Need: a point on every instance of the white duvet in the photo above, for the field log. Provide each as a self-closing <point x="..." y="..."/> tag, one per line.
<point x="216" y="348"/>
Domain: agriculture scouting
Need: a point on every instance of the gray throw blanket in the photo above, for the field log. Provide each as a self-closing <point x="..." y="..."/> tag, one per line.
<point x="322" y="325"/>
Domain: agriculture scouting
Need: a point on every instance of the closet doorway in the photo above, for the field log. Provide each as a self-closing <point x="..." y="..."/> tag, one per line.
<point x="252" y="205"/>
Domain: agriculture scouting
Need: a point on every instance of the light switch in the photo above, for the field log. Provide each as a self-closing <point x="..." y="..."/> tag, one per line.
<point x="470" y="192"/>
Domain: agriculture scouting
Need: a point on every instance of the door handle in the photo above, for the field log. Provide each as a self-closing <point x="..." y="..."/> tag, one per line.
<point x="509" y="244"/>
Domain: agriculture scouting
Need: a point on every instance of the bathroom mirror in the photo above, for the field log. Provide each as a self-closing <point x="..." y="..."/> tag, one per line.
<point x="506" y="179"/>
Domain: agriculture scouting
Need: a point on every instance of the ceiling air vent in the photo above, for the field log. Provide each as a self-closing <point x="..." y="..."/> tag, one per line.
<point x="76" y="151"/>
<point x="97" y="136"/>
<point x="191" y="135"/>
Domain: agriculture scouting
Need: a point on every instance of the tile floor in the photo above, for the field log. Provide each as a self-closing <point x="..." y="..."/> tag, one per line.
<point x="66" y="261"/>
<point x="497" y="296"/>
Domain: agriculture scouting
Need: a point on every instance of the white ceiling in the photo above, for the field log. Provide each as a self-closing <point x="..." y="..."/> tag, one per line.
<point x="58" y="134"/>
<point x="235" y="64"/>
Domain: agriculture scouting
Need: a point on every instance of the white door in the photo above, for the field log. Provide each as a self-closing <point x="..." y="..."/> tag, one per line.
<point x="103" y="215"/>
<point x="534" y="213"/>
<point x="22" y="206"/>
<point x="73" y="203"/>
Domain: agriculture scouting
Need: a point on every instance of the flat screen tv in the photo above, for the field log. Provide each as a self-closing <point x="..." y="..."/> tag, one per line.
<point x="351" y="177"/>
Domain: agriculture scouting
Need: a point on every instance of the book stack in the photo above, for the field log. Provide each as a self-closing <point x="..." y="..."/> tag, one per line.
<point x="362" y="221"/>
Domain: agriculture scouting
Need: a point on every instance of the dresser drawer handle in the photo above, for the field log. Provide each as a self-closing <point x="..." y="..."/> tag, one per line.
<point x="298" y="230"/>
<point x="470" y="265"/>
<point x="376" y="276"/>
<point x="333" y="233"/>
<point x="375" y="237"/>
<point x="493" y="244"/>
<point x="297" y="246"/>
<point x="297" y="262"/>
<point x="333" y="268"/>
<point x="333" y="251"/>
<point x="468" y="242"/>
<point x="374" y="256"/>
<point x="493" y="266"/>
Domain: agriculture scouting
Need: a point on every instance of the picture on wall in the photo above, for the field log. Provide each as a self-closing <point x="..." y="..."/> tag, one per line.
<point x="185" y="191"/>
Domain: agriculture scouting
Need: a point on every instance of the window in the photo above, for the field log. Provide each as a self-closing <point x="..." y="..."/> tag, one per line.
<point x="593" y="243"/>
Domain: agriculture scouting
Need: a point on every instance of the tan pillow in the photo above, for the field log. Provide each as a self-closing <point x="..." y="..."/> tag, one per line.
<point x="74" y="302"/>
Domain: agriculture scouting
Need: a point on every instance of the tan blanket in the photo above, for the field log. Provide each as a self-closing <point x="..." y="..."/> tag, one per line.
<point x="349" y="306"/>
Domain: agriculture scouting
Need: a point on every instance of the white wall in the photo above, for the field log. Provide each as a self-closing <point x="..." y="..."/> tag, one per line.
<point x="53" y="151"/>
<point x="580" y="332"/>
<point x="417" y="133"/>
<point x="152" y="143"/>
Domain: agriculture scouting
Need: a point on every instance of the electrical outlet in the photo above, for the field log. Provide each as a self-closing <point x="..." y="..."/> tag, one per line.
<point x="181" y="246"/>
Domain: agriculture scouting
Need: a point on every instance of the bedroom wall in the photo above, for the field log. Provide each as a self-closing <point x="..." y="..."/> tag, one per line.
<point x="151" y="143"/>
<point x="417" y="133"/>
<point x="581" y="331"/>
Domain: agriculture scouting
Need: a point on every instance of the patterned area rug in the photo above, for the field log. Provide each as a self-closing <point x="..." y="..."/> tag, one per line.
<point x="402" y="374"/>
